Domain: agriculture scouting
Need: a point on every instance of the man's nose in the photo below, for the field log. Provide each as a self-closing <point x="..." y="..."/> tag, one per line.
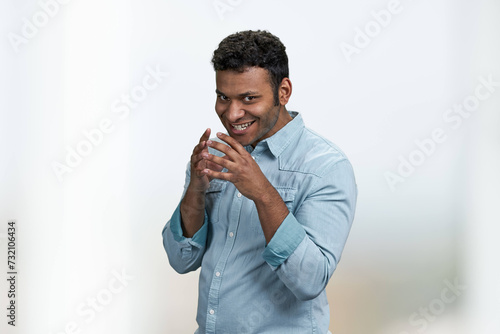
<point x="235" y="111"/>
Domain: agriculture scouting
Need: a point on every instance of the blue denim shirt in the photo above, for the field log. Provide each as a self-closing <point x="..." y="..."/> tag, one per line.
<point x="246" y="286"/>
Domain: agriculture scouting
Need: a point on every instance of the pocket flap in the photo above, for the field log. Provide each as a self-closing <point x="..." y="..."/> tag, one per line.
<point x="286" y="193"/>
<point x="216" y="186"/>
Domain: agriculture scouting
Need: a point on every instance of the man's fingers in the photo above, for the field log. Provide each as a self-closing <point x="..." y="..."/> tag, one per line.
<point x="199" y="148"/>
<point x="219" y="161"/>
<point x="232" y="142"/>
<point x="202" y="144"/>
<point x="213" y="166"/>
<point x="205" y="135"/>
<point x="227" y="150"/>
<point x="217" y="175"/>
<point x="195" y="158"/>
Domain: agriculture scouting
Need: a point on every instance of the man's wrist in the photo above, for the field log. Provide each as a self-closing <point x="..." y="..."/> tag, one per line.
<point x="192" y="209"/>
<point x="194" y="199"/>
<point x="267" y="196"/>
<point x="197" y="188"/>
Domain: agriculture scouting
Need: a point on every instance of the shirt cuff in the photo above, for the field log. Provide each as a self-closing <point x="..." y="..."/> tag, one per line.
<point x="199" y="238"/>
<point x="284" y="242"/>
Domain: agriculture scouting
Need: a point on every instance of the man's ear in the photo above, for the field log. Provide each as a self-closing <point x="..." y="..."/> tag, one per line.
<point x="285" y="91"/>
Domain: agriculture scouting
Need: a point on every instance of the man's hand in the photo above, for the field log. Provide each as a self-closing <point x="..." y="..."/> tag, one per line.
<point x="247" y="177"/>
<point x="243" y="171"/>
<point x="193" y="203"/>
<point x="199" y="180"/>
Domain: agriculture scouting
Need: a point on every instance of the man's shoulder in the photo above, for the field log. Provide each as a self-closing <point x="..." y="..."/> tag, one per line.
<point x="311" y="153"/>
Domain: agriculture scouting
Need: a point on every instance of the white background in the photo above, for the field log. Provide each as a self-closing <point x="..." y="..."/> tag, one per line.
<point x="106" y="215"/>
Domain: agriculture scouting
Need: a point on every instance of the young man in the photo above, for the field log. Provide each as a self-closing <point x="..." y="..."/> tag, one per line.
<point x="266" y="208"/>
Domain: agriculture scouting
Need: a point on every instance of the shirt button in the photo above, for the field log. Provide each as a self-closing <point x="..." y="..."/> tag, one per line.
<point x="217" y="274"/>
<point x="253" y="157"/>
<point x="211" y="312"/>
<point x="239" y="195"/>
<point x="231" y="234"/>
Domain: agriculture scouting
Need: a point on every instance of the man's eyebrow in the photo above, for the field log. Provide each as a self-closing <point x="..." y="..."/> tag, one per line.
<point x="249" y="93"/>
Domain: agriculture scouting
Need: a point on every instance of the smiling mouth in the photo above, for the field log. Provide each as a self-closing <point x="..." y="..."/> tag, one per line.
<point x="241" y="127"/>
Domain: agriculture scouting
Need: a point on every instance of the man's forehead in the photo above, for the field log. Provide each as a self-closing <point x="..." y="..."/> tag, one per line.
<point x="251" y="79"/>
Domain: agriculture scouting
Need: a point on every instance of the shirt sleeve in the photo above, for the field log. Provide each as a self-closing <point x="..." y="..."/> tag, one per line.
<point x="307" y="246"/>
<point x="184" y="254"/>
<point x="284" y="242"/>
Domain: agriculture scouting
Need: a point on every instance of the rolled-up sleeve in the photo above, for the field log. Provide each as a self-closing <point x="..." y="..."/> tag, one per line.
<point x="284" y="242"/>
<point x="184" y="254"/>
<point x="307" y="246"/>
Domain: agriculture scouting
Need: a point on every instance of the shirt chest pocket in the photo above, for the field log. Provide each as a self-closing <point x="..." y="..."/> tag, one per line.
<point x="213" y="197"/>
<point x="288" y="196"/>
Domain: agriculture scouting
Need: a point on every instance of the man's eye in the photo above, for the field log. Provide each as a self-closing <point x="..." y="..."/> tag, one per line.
<point x="223" y="97"/>
<point x="249" y="98"/>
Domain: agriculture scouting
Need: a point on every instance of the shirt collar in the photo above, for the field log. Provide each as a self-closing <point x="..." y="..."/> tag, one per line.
<point x="281" y="139"/>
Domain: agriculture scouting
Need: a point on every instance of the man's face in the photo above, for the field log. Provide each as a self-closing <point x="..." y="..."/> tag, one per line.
<point x="245" y="105"/>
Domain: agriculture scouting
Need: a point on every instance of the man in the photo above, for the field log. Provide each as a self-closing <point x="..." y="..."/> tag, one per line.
<point x="266" y="208"/>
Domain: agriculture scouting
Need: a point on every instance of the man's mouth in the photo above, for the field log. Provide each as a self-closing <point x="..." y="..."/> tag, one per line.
<point x="242" y="127"/>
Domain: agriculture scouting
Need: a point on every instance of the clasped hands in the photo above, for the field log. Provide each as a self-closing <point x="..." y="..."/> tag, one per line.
<point x="242" y="170"/>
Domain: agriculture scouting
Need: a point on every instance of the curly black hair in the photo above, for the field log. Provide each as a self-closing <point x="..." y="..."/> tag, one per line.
<point x="250" y="48"/>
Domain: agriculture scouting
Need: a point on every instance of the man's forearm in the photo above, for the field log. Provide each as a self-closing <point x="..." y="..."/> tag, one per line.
<point x="192" y="212"/>
<point x="272" y="211"/>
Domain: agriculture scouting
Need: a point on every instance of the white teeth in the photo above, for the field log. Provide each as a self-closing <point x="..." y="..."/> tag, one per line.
<point x="242" y="126"/>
